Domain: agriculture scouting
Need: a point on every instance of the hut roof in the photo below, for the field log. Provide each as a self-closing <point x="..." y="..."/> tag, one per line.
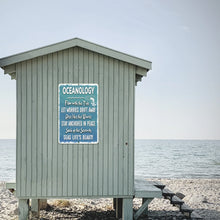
<point x="142" y="65"/>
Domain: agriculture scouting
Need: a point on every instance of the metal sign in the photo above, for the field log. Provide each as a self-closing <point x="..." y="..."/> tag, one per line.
<point x="78" y="113"/>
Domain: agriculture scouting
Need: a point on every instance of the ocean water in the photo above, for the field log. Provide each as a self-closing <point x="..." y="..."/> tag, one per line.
<point x="7" y="159"/>
<point x="153" y="158"/>
<point x="177" y="158"/>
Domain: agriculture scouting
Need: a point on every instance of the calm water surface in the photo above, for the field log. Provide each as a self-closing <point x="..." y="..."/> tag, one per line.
<point x="177" y="158"/>
<point x="7" y="160"/>
<point x="153" y="158"/>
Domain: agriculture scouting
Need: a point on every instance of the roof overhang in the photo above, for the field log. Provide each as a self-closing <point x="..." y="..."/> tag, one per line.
<point x="142" y="66"/>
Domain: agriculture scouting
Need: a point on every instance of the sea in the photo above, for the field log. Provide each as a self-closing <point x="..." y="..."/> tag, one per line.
<point x="153" y="159"/>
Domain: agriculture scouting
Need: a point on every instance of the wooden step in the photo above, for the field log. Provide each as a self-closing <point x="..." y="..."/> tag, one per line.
<point x="158" y="184"/>
<point x="195" y="216"/>
<point x="176" y="201"/>
<point x="186" y="210"/>
<point x="167" y="194"/>
<point x="144" y="189"/>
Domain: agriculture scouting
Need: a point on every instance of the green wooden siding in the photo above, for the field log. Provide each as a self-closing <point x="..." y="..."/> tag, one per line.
<point x="48" y="169"/>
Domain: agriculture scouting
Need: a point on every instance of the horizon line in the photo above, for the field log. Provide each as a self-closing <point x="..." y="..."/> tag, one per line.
<point x="156" y="139"/>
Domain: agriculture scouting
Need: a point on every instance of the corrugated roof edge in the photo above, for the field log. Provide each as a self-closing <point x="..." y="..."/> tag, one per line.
<point x="73" y="43"/>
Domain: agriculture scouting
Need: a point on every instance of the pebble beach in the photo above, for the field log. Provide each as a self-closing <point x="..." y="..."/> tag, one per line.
<point x="203" y="195"/>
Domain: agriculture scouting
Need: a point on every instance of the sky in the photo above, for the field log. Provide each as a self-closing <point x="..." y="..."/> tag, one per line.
<point x="179" y="98"/>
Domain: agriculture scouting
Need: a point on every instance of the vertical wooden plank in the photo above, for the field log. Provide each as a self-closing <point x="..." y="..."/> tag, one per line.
<point x="126" y="123"/>
<point x="29" y="127"/>
<point x="95" y="173"/>
<point x="80" y="146"/>
<point x="50" y="125"/>
<point x="24" y="131"/>
<point x="65" y="146"/>
<point x="19" y="127"/>
<point x="39" y="124"/>
<point x="76" y="64"/>
<point x="106" y="127"/>
<point x="121" y="128"/>
<point x="91" y="66"/>
<point x="85" y="146"/>
<point x="81" y="66"/>
<point x="70" y="147"/>
<point x="45" y="126"/>
<point x="101" y="125"/>
<point x="85" y="66"/>
<point x="75" y="148"/>
<point x="55" y="125"/>
<point x="34" y="128"/>
<point x="91" y="148"/>
<point x="60" y="146"/>
<point x="131" y="96"/>
<point x="115" y="129"/>
<point x="110" y="127"/>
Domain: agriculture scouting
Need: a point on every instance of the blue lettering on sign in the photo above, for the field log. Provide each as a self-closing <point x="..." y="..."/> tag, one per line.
<point x="78" y="113"/>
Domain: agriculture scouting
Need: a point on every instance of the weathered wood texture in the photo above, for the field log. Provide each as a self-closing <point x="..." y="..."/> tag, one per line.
<point x="23" y="209"/>
<point x="144" y="189"/>
<point x="48" y="169"/>
<point x="127" y="209"/>
<point x="143" y="65"/>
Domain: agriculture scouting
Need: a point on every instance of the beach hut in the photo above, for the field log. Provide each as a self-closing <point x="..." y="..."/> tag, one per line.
<point x="75" y="122"/>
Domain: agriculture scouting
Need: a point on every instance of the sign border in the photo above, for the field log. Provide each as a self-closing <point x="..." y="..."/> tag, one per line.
<point x="78" y="84"/>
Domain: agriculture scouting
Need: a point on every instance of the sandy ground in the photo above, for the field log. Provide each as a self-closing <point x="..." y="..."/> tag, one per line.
<point x="203" y="195"/>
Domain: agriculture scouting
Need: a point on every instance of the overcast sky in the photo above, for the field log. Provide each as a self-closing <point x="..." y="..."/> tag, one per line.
<point x="180" y="97"/>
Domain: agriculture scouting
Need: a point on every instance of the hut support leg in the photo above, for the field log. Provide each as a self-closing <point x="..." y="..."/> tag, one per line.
<point x="23" y="209"/>
<point x="146" y="209"/>
<point x="127" y="210"/>
<point x="118" y="207"/>
<point x="35" y="208"/>
<point x="114" y="203"/>
<point x="142" y="208"/>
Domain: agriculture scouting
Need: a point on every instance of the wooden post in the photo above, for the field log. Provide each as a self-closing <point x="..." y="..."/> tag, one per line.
<point x="142" y="208"/>
<point x="23" y="209"/>
<point x="43" y="204"/>
<point x="145" y="212"/>
<point x="35" y="208"/>
<point x="114" y="203"/>
<point x="127" y="210"/>
<point x="118" y="208"/>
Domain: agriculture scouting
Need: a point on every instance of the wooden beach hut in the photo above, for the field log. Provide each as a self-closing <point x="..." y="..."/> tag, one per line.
<point x="75" y="123"/>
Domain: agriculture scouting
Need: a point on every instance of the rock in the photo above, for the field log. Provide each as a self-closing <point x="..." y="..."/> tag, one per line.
<point x="205" y="200"/>
<point x="13" y="202"/>
<point x="16" y="211"/>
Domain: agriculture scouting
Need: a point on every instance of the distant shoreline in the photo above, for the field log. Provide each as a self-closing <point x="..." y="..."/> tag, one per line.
<point x="172" y="139"/>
